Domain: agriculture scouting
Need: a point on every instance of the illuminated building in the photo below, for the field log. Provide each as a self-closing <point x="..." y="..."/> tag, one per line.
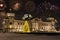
<point x="35" y="25"/>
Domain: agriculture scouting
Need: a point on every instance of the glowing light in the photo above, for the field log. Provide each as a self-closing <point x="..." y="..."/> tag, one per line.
<point x="16" y="6"/>
<point x="26" y="27"/>
<point x="1" y="5"/>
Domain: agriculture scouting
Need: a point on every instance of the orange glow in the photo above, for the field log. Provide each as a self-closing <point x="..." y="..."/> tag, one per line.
<point x="16" y="6"/>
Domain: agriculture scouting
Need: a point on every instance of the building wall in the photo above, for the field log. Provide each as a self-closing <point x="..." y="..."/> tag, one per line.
<point x="17" y="25"/>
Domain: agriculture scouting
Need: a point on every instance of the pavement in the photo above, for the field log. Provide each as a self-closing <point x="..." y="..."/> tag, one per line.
<point x="18" y="36"/>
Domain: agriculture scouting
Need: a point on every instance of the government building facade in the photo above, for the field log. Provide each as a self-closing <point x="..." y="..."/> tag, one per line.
<point x="35" y="25"/>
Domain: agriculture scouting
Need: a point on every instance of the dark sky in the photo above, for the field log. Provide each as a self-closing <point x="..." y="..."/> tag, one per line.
<point x="39" y="1"/>
<point x="21" y="12"/>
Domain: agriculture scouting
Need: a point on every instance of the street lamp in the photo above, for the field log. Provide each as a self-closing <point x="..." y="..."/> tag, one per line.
<point x="2" y="5"/>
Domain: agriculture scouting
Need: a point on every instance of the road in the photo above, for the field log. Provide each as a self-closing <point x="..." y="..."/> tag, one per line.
<point x="15" y="36"/>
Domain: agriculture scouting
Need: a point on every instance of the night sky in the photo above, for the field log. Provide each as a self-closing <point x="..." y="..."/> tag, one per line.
<point x="36" y="13"/>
